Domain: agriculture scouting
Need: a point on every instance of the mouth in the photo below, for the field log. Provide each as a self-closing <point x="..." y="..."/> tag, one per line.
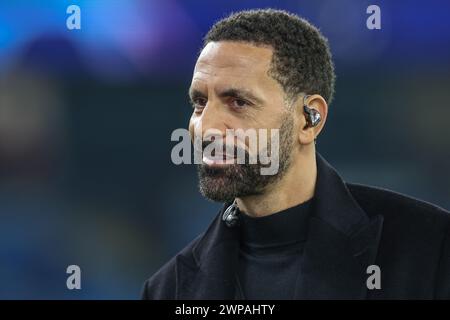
<point x="218" y="160"/>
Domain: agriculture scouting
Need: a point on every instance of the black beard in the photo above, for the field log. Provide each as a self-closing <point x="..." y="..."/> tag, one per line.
<point x="234" y="180"/>
<point x="226" y="183"/>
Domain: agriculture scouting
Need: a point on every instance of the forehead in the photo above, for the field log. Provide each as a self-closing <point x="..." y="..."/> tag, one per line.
<point x="233" y="61"/>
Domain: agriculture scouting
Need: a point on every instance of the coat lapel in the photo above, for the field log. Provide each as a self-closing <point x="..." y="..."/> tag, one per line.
<point x="213" y="273"/>
<point x="342" y="242"/>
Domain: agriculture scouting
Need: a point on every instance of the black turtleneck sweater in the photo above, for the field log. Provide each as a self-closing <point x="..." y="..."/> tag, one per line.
<point x="271" y="248"/>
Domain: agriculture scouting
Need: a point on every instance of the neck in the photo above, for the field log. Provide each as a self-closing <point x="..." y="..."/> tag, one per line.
<point x="295" y="187"/>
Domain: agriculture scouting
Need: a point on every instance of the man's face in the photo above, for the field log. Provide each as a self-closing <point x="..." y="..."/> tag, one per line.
<point x="232" y="89"/>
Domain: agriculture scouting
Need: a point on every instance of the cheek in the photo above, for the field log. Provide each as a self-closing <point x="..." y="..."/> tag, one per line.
<point x="192" y="124"/>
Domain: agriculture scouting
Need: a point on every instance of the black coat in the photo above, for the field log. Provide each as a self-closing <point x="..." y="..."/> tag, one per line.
<point x="353" y="226"/>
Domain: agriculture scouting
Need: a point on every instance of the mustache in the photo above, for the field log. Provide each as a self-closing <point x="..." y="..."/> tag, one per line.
<point x="226" y="149"/>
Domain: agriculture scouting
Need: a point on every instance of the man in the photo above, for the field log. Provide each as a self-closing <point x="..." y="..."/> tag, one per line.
<point x="302" y="233"/>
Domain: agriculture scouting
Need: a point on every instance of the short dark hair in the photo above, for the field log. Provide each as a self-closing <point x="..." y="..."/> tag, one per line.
<point x="301" y="60"/>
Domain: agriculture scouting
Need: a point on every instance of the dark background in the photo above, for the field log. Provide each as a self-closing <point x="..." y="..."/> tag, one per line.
<point x="86" y="117"/>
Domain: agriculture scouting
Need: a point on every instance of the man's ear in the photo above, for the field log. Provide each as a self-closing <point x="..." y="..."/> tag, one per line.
<point x="306" y="133"/>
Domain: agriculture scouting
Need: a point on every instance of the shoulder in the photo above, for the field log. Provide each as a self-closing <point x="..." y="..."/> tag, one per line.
<point x="395" y="206"/>
<point x="410" y="225"/>
<point x="162" y="285"/>
<point x="415" y="234"/>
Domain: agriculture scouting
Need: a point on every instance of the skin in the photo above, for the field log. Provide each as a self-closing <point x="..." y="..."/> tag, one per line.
<point x="227" y="65"/>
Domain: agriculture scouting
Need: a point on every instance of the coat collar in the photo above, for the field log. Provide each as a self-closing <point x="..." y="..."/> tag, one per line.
<point x="342" y="242"/>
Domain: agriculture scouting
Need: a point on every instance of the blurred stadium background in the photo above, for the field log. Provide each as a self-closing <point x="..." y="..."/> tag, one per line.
<point x="86" y="117"/>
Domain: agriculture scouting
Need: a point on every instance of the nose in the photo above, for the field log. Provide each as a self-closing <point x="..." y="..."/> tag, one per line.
<point x="211" y="120"/>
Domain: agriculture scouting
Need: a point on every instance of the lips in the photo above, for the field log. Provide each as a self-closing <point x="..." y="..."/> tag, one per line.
<point x="224" y="155"/>
<point x="219" y="159"/>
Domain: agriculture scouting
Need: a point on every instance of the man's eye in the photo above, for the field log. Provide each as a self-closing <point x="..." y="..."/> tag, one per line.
<point x="239" y="103"/>
<point x="199" y="102"/>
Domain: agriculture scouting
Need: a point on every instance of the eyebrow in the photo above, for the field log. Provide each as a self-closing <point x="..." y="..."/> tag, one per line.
<point x="194" y="93"/>
<point x="231" y="92"/>
<point x="240" y="93"/>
